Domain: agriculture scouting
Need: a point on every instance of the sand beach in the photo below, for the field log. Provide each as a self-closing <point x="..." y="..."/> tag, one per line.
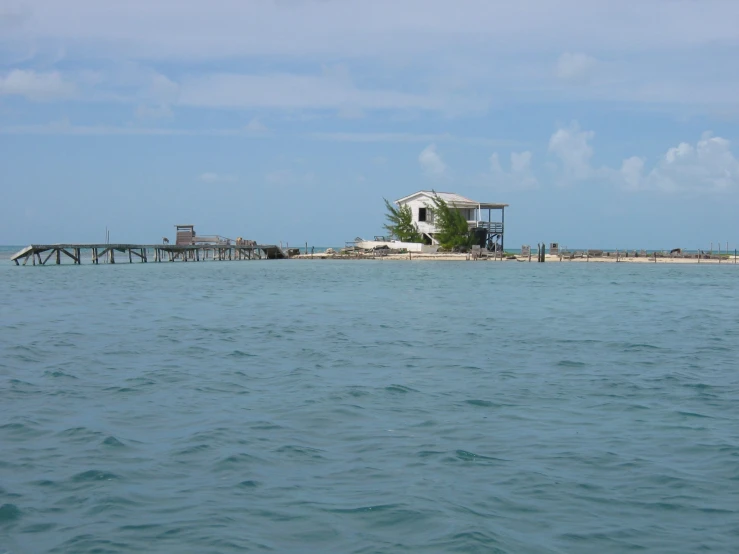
<point x="457" y="257"/>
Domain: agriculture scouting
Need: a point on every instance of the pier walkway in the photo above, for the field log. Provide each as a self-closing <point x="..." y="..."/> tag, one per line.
<point x="106" y="253"/>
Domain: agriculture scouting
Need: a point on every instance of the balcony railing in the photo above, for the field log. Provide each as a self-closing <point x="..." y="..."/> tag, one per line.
<point x="493" y="227"/>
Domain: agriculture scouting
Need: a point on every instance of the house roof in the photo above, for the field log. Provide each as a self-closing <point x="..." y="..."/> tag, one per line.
<point x="453" y="198"/>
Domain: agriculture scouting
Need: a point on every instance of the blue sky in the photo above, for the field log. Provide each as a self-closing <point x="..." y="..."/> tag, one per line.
<point x="601" y="123"/>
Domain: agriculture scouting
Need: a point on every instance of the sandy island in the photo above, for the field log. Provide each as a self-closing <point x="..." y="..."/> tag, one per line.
<point x="449" y="257"/>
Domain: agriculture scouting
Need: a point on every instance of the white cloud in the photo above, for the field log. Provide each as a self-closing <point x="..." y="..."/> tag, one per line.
<point x="350" y="112"/>
<point x="415" y="54"/>
<point x="381" y="137"/>
<point x="431" y="162"/>
<point x="575" y="67"/>
<point x="65" y="127"/>
<point x="709" y="166"/>
<point x="572" y="147"/>
<point x="631" y="172"/>
<point x="163" y="88"/>
<point x="227" y="28"/>
<point x="411" y="137"/>
<point x="291" y="91"/>
<point x="255" y="126"/>
<point x="161" y="111"/>
<point x="13" y="16"/>
<point x="210" y="177"/>
<point x="520" y="176"/>
<point x="35" y="86"/>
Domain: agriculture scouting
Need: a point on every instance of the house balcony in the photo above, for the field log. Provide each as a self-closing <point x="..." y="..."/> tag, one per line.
<point x="493" y="227"/>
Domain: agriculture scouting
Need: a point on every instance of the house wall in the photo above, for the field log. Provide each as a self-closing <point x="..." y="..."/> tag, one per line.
<point x="421" y="202"/>
<point x="428" y="203"/>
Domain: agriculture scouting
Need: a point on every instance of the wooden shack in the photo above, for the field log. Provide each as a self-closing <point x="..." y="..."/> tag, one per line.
<point x="185" y="235"/>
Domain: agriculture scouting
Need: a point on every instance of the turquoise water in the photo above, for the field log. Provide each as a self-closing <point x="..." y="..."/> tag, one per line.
<point x="366" y="406"/>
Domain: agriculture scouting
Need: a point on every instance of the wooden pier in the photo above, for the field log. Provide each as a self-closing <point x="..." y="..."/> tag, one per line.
<point x="143" y="253"/>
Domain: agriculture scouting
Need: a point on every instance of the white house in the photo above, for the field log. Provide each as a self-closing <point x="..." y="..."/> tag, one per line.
<point x="490" y="227"/>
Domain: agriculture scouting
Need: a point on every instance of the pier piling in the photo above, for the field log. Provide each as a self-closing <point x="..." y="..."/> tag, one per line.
<point x="183" y="253"/>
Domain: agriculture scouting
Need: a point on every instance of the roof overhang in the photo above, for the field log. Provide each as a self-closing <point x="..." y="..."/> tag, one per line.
<point x="459" y="203"/>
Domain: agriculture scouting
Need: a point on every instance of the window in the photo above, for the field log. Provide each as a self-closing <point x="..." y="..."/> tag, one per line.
<point x="421" y="214"/>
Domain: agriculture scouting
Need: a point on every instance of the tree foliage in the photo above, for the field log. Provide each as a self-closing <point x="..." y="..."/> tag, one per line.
<point x="452" y="229"/>
<point x="400" y="223"/>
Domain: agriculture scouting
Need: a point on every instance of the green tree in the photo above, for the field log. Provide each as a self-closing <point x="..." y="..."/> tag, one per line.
<point x="452" y="229"/>
<point x="400" y="223"/>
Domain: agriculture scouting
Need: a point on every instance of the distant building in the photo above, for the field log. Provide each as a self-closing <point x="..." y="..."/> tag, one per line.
<point x="186" y="237"/>
<point x="489" y="227"/>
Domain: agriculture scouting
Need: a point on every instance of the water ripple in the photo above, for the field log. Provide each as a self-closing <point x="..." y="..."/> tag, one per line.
<point x="369" y="407"/>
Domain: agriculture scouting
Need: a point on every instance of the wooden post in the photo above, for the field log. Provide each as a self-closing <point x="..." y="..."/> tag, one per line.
<point x="58" y="257"/>
<point x="502" y="230"/>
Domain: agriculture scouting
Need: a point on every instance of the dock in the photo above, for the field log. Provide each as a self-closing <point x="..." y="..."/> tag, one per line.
<point x="143" y="253"/>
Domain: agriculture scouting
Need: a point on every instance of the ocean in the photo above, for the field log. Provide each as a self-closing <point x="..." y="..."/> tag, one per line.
<point x="365" y="406"/>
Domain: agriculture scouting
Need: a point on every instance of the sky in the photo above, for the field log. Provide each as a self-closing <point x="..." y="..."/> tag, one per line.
<point x="603" y="124"/>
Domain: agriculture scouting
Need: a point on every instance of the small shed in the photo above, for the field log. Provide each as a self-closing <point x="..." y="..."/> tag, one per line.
<point x="185" y="235"/>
